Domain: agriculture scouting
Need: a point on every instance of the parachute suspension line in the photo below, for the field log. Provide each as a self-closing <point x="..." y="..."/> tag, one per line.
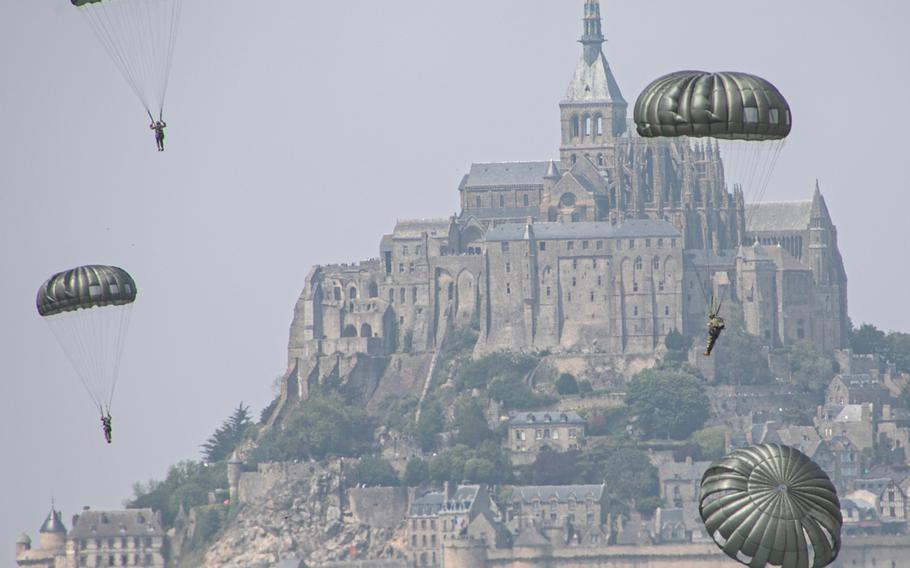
<point x="62" y="329"/>
<point x="102" y="31"/>
<point x="765" y="179"/>
<point x="122" y="327"/>
<point x="172" y="43"/>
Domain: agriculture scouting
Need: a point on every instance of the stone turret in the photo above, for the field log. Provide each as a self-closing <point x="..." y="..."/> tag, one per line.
<point x="52" y="535"/>
<point x="23" y="543"/>
<point x="233" y="472"/>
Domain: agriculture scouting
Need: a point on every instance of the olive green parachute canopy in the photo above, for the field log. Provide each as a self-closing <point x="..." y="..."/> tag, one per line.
<point x="85" y="287"/>
<point x="771" y="505"/>
<point x="721" y="105"/>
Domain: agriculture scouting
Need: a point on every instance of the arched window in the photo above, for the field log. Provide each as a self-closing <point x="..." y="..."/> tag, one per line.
<point x="391" y="295"/>
<point x="366" y="330"/>
<point x="574" y="126"/>
<point x="349" y="331"/>
<point x="374" y="290"/>
<point x="655" y="263"/>
<point x="352" y="293"/>
<point x="337" y="293"/>
<point x="599" y="125"/>
<point x="588" y="128"/>
<point x="600" y="159"/>
<point x="635" y="311"/>
<point x="638" y="263"/>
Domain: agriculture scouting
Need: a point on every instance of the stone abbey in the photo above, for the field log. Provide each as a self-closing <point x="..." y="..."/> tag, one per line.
<point x="603" y="250"/>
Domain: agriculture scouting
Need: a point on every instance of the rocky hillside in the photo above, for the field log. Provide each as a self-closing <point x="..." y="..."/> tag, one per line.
<point x="300" y="518"/>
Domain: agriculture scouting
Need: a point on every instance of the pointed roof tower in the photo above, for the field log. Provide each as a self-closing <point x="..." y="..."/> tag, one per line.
<point x="593" y="112"/>
<point x="53" y="523"/>
<point x="593" y="80"/>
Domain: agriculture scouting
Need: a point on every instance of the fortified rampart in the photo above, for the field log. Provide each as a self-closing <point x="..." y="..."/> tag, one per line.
<point x="384" y="507"/>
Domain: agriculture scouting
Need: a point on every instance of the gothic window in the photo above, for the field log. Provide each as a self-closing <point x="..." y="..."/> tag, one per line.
<point x="505" y="246"/>
<point x="573" y="281"/>
<point x="638" y="263"/>
<point x="655" y="263"/>
<point x="337" y="293"/>
<point x="508" y="288"/>
<point x="542" y="245"/>
<point x="600" y="159"/>
<point x="548" y="291"/>
<point x="647" y="243"/>
<point x="635" y="286"/>
<point x="391" y="296"/>
<point x="401" y="294"/>
<point x="666" y="310"/>
<point x="502" y="200"/>
<point x="588" y="125"/>
<point x="524" y="200"/>
<point x="477" y="201"/>
<point x="574" y="126"/>
<point x="374" y="290"/>
<point x="635" y="311"/>
<point x="599" y="125"/>
<point x="508" y="267"/>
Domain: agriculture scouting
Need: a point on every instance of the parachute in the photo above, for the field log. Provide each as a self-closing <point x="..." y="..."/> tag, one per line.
<point x="139" y="35"/>
<point x="771" y="505"/>
<point x="747" y="118"/>
<point x="88" y="310"/>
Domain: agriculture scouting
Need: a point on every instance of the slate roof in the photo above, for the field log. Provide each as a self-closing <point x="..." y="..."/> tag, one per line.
<point x="682" y="470"/>
<point x="593" y="82"/>
<point x="721" y="260"/>
<point x="499" y="174"/>
<point x="434" y="503"/>
<point x="544" y="493"/>
<point x="53" y="523"/>
<point x="631" y="228"/>
<point x="501" y="213"/>
<point x="538" y="418"/>
<point x="777" y="216"/>
<point x="128" y="522"/>
<point x="414" y="228"/>
<point x="530" y="536"/>
<point x="803" y="438"/>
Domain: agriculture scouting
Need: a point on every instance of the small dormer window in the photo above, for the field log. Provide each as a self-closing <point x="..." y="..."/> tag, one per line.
<point x="531" y="418"/>
<point x="547" y="418"/>
<point x="563" y="418"/>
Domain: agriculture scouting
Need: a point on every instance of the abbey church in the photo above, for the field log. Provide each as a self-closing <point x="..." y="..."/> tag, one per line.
<point x="603" y="250"/>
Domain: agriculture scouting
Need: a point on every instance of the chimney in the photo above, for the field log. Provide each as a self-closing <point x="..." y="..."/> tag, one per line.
<point x="75" y="520"/>
<point x="688" y="460"/>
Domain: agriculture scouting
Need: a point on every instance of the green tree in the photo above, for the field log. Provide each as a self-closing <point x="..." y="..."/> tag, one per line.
<point x="585" y="388"/>
<point x="897" y="350"/>
<point x="627" y="472"/>
<point x="675" y="341"/>
<point x="513" y="393"/>
<point x="417" y="472"/>
<point x="566" y="384"/>
<point x="471" y="422"/>
<point x="187" y="483"/>
<point x="809" y="369"/>
<point x="323" y="426"/>
<point x="710" y="442"/>
<point x="667" y="403"/>
<point x="553" y="468"/>
<point x="741" y="359"/>
<point x="867" y="339"/>
<point x="431" y="423"/>
<point x="373" y="472"/>
<point x="228" y="435"/>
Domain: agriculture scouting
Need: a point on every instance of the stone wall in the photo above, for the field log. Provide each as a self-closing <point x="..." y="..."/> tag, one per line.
<point x="383" y="507"/>
<point x="254" y="485"/>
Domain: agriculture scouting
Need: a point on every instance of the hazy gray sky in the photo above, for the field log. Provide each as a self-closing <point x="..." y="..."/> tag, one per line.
<point x="299" y="131"/>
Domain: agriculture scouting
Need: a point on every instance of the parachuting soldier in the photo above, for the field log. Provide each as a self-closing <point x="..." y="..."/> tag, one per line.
<point x="715" y="326"/>
<point x="106" y="425"/>
<point x="158" y="126"/>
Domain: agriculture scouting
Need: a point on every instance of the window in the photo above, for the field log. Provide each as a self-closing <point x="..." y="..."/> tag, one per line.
<point x="574" y="159"/>
<point x="504" y="246"/>
<point x="508" y="288"/>
<point x="477" y="201"/>
<point x="574" y="264"/>
<point x="672" y="243"/>
<point x="655" y="263"/>
<point x="635" y="311"/>
<point x="573" y="433"/>
<point x="508" y="267"/>
<point x="647" y="243"/>
<point x="401" y="295"/>
<point x="599" y="245"/>
<point x="666" y="310"/>
<point x="660" y="286"/>
<point x="570" y="245"/>
<point x="573" y="129"/>
<point x="592" y="296"/>
<point x="538" y="435"/>
<point x="594" y="263"/>
<point x="502" y="200"/>
<point x="600" y="159"/>
<point x="568" y="299"/>
<point x="546" y="433"/>
<point x="417" y="250"/>
<point x="574" y="281"/>
<point x="414" y="295"/>
<point x="631" y="244"/>
<point x="391" y="296"/>
<point x="542" y="246"/>
<point x="401" y="268"/>
<point x="548" y="291"/>
<point x="660" y="243"/>
<point x="599" y="125"/>
<point x="600" y="280"/>
<point x="635" y="286"/>
<point x="638" y="263"/>
<point x="524" y="200"/>
<point x="584" y="245"/>
<point x="588" y="128"/>
<point x="410" y="268"/>
<point x="555" y="434"/>
<point x="404" y="250"/>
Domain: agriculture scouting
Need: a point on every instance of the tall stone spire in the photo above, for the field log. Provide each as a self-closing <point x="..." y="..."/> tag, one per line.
<point x="593" y="37"/>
